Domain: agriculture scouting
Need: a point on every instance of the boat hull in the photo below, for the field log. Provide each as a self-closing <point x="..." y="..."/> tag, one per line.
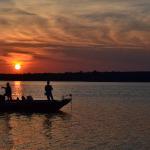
<point x="33" y="106"/>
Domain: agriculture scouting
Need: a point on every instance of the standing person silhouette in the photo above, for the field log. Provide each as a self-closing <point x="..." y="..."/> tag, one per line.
<point x="8" y="91"/>
<point x="48" y="91"/>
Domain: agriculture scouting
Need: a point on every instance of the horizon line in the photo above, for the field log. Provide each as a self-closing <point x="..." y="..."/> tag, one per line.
<point x="74" y="72"/>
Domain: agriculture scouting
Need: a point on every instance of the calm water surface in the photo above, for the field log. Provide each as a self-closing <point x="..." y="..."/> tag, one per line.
<point x="104" y="116"/>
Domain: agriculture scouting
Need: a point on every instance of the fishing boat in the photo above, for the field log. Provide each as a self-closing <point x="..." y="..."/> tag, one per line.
<point x="33" y="105"/>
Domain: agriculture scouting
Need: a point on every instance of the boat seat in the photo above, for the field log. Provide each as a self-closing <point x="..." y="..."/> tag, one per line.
<point x="29" y="98"/>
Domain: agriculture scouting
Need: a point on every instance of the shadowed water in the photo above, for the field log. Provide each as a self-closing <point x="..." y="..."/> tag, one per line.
<point x="104" y="116"/>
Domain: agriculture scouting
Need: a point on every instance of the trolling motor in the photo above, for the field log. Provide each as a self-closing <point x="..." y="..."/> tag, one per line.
<point x="68" y="96"/>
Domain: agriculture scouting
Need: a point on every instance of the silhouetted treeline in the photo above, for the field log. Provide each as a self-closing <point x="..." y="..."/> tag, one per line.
<point x="81" y="76"/>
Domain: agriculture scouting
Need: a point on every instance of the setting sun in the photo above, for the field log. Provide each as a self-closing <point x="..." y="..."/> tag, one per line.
<point x="17" y="66"/>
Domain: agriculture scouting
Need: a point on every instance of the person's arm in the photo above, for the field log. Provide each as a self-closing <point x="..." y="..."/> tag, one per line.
<point x="45" y="88"/>
<point x="10" y="90"/>
<point x="3" y="87"/>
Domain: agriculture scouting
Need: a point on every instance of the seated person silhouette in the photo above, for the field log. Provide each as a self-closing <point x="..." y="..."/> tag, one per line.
<point x="48" y="91"/>
<point x="23" y="98"/>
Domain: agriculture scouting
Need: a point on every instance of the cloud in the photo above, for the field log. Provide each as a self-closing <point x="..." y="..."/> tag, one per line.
<point x="109" y="34"/>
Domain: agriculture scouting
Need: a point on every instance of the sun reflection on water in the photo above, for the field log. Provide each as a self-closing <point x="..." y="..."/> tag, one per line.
<point x="17" y="89"/>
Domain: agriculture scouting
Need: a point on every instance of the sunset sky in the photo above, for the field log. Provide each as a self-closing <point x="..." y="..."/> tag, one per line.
<point x="74" y="35"/>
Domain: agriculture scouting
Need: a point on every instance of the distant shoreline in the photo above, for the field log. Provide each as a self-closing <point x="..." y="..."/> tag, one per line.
<point x="81" y="76"/>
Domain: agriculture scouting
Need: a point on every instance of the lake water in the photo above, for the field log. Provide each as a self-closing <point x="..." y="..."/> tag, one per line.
<point x="104" y="116"/>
